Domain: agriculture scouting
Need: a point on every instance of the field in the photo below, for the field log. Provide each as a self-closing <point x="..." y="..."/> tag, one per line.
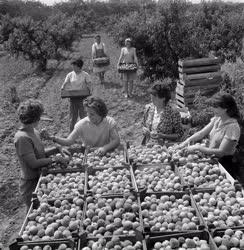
<point x="46" y="87"/>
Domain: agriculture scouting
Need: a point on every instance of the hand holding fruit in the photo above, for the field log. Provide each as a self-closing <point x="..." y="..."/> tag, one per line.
<point x="146" y="131"/>
<point x="60" y="159"/>
<point x="194" y="148"/>
<point x="100" y="151"/>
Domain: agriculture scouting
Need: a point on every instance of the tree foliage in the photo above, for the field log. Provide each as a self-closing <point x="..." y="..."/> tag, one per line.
<point x="178" y="29"/>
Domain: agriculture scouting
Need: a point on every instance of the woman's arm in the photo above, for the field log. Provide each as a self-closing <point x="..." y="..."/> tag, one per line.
<point x="33" y="162"/>
<point x="225" y="147"/>
<point x="93" y="51"/>
<point x="114" y="140"/>
<point x="135" y="57"/>
<point x="70" y="140"/>
<point x="121" y="56"/>
<point x="51" y="151"/>
<point x="200" y="134"/>
<point x="67" y="79"/>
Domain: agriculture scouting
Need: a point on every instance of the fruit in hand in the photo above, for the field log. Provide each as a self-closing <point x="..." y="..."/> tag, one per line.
<point x="110" y="181"/>
<point x="167" y="213"/>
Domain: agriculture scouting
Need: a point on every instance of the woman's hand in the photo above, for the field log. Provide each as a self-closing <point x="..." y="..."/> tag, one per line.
<point x="194" y="148"/>
<point x="100" y="151"/>
<point x="61" y="160"/>
<point x="145" y="131"/>
<point x="63" y="151"/>
<point x="183" y="144"/>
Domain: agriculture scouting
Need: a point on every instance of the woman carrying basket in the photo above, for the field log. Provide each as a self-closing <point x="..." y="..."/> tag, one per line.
<point x="128" y="56"/>
<point x="99" y="52"/>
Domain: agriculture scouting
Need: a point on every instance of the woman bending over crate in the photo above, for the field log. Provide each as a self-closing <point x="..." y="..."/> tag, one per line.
<point x="30" y="150"/>
<point x="128" y="57"/>
<point x="97" y="130"/>
<point x="161" y="121"/>
<point x="223" y="132"/>
<point x="100" y="58"/>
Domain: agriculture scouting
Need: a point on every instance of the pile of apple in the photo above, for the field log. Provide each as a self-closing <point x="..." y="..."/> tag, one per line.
<point x="113" y="159"/>
<point x="47" y="247"/>
<point x="158" y="179"/>
<point x="182" y="243"/>
<point x="56" y="221"/>
<point x="168" y="213"/>
<point x="75" y="161"/>
<point x="113" y="243"/>
<point x="230" y="240"/>
<point x="203" y="175"/>
<point x="147" y="154"/>
<point x="110" y="181"/>
<point x="61" y="185"/>
<point x="222" y="208"/>
<point x="111" y="216"/>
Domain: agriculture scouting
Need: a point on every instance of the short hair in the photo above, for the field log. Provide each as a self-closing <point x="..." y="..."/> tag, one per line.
<point x="161" y="90"/>
<point x="78" y="62"/>
<point x="226" y="101"/>
<point x="97" y="36"/>
<point x="30" y="111"/>
<point x="97" y="104"/>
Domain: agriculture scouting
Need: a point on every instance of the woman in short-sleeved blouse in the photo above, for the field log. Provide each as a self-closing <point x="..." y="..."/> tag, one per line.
<point x="161" y="121"/>
<point x="223" y="131"/>
<point x="128" y="55"/>
<point x="97" y="130"/>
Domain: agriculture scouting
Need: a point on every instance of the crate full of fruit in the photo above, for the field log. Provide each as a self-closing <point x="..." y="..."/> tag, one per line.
<point x="101" y="61"/>
<point x="127" y="67"/>
<point x="53" y="220"/>
<point x="201" y="240"/>
<point x="169" y="213"/>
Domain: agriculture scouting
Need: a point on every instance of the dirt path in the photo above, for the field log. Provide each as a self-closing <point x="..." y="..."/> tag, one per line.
<point x="19" y="73"/>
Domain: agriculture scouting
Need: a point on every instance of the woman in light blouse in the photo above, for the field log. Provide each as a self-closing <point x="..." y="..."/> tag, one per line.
<point x="223" y="132"/>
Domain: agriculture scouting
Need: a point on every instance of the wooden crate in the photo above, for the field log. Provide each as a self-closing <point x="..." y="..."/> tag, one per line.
<point x="197" y="74"/>
<point x="74" y="93"/>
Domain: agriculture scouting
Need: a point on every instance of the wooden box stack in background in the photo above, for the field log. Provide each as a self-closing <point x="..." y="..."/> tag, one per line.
<point x="197" y="74"/>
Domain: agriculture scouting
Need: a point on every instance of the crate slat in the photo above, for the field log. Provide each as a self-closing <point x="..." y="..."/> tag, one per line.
<point x="198" y="62"/>
<point x="201" y="82"/>
<point x="203" y="69"/>
<point x="208" y="75"/>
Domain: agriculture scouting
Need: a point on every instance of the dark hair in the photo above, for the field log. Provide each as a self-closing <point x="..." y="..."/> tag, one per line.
<point x="30" y="111"/>
<point x="225" y="101"/>
<point x="79" y="63"/>
<point x="161" y="91"/>
<point x="97" y="104"/>
<point x="97" y="36"/>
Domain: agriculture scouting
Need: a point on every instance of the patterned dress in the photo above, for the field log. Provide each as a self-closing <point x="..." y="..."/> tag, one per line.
<point x="170" y="120"/>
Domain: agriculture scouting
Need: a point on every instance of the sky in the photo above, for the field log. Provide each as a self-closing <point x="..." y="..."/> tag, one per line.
<point x="51" y="2"/>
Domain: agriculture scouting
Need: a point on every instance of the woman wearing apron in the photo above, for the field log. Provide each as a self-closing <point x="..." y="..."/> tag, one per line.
<point x="128" y="55"/>
<point x="99" y="51"/>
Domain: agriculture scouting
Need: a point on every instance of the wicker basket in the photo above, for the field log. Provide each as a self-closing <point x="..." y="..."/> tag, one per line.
<point x="101" y="62"/>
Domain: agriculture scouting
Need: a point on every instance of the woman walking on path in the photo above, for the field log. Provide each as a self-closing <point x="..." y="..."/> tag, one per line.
<point x="99" y="51"/>
<point x="128" y="56"/>
<point x="77" y="80"/>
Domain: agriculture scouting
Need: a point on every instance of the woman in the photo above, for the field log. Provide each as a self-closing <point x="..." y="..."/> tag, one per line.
<point x="97" y="130"/>
<point x="223" y="131"/>
<point x="30" y="150"/>
<point x="161" y="121"/>
<point x="98" y="51"/>
<point x="128" y="55"/>
<point x="77" y="80"/>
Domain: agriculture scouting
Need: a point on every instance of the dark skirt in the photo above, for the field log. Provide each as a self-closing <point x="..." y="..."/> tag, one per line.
<point x="231" y="166"/>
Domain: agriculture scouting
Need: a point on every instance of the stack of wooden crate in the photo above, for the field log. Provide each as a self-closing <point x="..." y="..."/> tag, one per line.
<point x="197" y="74"/>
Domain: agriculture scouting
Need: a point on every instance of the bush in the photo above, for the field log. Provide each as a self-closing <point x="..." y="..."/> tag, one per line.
<point x="38" y="41"/>
<point x="178" y="29"/>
